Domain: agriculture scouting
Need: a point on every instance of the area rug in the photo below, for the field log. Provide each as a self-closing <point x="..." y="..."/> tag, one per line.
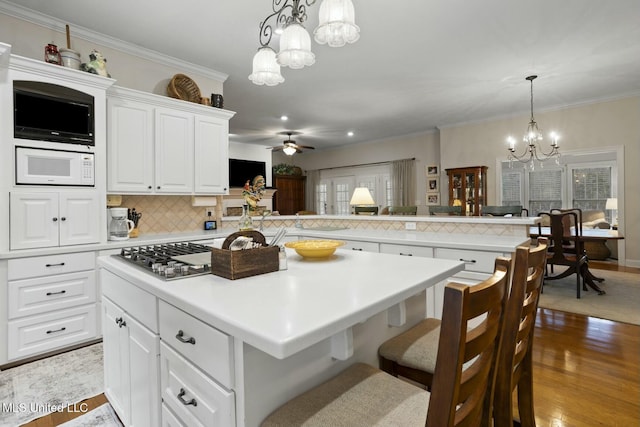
<point x="35" y="389"/>
<point x="102" y="416"/>
<point x="620" y="303"/>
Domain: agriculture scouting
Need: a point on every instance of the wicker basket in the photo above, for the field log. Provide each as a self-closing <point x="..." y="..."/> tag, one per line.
<point x="183" y="87"/>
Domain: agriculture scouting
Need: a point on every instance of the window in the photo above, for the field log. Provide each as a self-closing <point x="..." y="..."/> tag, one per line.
<point x="582" y="180"/>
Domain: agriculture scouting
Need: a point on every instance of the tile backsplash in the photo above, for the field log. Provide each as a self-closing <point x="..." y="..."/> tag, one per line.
<point x="167" y="214"/>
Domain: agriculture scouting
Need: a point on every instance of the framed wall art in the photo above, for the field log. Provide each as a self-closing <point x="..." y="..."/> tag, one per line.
<point x="433" y="199"/>
<point x="433" y="170"/>
<point x="433" y="185"/>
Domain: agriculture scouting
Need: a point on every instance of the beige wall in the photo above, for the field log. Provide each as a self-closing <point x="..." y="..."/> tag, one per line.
<point x="28" y="40"/>
<point x="593" y="126"/>
<point x="424" y="147"/>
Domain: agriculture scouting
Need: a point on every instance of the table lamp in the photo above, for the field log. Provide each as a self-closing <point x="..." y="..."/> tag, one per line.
<point x="612" y="205"/>
<point x="361" y="196"/>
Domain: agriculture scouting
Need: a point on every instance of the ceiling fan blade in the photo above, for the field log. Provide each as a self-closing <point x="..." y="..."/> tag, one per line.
<point x="278" y="148"/>
<point x="307" y="147"/>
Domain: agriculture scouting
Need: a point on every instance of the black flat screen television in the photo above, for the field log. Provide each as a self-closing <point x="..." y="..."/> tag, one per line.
<point x="241" y="171"/>
<point x="49" y="112"/>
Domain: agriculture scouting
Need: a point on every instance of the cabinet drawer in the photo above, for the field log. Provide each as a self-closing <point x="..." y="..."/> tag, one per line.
<point x="356" y="245"/>
<point x="23" y="268"/>
<point x="205" y="346"/>
<point x="139" y="303"/>
<point x="191" y="395"/>
<point x="42" y="294"/>
<point x="169" y="419"/>
<point x="473" y="260"/>
<point x="406" y="250"/>
<point x="38" y="334"/>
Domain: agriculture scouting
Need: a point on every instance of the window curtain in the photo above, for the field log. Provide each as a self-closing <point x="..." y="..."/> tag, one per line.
<point x="403" y="180"/>
<point x="310" y="199"/>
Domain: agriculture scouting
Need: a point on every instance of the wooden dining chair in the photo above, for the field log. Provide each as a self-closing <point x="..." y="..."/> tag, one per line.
<point x="464" y="379"/>
<point x="566" y="245"/>
<point x="515" y="361"/>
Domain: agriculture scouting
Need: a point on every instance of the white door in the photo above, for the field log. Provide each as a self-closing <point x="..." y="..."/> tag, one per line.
<point x="211" y="155"/>
<point x="33" y="220"/>
<point x="130" y="146"/>
<point x="79" y="218"/>
<point x="174" y="135"/>
<point x="144" y="363"/>
<point x="340" y="195"/>
<point x="117" y="383"/>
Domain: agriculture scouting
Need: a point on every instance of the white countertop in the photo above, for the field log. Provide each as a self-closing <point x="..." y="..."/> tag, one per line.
<point x="284" y="312"/>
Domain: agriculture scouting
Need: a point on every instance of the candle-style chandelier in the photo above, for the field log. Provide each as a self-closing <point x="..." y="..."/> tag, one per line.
<point x="336" y="28"/>
<point x="533" y="152"/>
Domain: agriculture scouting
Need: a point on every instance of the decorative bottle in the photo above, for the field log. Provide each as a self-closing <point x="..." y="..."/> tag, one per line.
<point x="282" y="258"/>
<point x="245" y="222"/>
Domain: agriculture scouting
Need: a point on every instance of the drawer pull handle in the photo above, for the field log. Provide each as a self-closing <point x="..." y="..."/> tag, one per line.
<point x="186" y="402"/>
<point x="56" y="330"/>
<point x="60" y="264"/>
<point x="356" y="249"/>
<point x="57" y="293"/>
<point x="403" y="254"/>
<point x="180" y="337"/>
<point x="468" y="261"/>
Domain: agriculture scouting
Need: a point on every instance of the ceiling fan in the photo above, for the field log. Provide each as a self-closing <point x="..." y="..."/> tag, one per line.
<point x="289" y="146"/>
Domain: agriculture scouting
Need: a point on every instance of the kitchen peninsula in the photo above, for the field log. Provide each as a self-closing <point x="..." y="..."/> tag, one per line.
<point x="240" y="348"/>
<point x="211" y="351"/>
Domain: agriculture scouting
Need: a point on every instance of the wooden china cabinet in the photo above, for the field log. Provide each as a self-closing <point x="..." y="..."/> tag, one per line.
<point x="468" y="187"/>
<point x="289" y="198"/>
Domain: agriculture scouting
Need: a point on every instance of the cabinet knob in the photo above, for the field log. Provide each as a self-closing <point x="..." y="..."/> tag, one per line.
<point x="149" y="187"/>
<point x="54" y="219"/>
<point x="158" y="187"/>
<point x="63" y="219"/>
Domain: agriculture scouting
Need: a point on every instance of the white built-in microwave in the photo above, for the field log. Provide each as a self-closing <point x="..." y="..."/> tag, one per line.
<point x="39" y="166"/>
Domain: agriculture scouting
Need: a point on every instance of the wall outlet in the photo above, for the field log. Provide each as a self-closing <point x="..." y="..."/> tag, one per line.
<point x="409" y="225"/>
<point x="209" y="212"/>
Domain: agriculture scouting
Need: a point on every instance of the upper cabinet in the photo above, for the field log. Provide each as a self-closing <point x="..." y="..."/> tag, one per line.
<point x="161" y="145"/>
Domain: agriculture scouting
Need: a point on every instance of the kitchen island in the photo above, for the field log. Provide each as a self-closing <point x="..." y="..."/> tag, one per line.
<point x="232" y="351"/>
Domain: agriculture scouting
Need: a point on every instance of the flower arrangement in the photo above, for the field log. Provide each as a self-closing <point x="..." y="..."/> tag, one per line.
<point x="253" y="192"/>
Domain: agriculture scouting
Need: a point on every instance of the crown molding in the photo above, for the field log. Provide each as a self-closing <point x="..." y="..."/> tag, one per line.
<point x="49" y="22"/>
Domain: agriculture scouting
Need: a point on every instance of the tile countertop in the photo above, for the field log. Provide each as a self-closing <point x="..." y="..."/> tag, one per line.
<point x="284" y="312"/>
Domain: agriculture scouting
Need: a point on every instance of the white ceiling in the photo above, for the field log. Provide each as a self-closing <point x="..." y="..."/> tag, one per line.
<point x="419" y="64"/>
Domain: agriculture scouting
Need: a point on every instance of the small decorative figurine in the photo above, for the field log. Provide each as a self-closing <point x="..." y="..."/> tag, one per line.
<point x="96" y="65"/>
<point x="253" y="192"/>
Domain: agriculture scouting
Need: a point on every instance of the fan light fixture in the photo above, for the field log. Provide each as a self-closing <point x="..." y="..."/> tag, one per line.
<point x="531" y="137"/>
<point x="289" y="150"/>
<point x="336" y="28"/>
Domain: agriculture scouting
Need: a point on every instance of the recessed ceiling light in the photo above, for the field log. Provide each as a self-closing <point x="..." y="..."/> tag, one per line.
<point x="284" y="118"/>
<point x="349" y="133"/>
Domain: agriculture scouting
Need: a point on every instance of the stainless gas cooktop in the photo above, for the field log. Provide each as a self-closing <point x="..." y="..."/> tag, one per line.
<point x="170" y="261"/>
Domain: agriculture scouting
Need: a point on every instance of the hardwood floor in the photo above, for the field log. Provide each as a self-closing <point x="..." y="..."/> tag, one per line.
<point x="57" y="418"/>
<point x="586" y="372"/>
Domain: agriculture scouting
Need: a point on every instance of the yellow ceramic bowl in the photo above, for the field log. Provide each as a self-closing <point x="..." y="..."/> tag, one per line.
<point x="315" y="248"/>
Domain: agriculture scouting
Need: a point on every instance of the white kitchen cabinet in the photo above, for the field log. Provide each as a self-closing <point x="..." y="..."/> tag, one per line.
<point x="130" y="149"/>
<point x="356" y="245"/>
<point x="211" y="155"/>
<point x="174" y="150"/>
<point x="406" y="250"/>
<point x="159" y="145"/>
<point x="39" y="220"/>
<point x="51" y="303"/>
<point x="131" y="357"/>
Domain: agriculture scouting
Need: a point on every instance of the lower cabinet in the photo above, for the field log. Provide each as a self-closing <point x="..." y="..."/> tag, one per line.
<point x="131" y="355"/>
<point x="51" y="303"/>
